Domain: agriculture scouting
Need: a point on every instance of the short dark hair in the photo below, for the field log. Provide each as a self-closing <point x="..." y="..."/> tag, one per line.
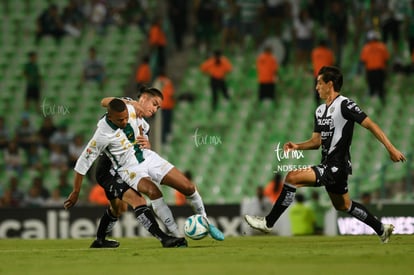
<point x="154" y="92"/>
<point x="334" y="74"/>
<point x="117" y="105"/>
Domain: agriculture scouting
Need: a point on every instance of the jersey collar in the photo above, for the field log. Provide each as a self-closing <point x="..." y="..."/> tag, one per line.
<point x="110" y="123"/>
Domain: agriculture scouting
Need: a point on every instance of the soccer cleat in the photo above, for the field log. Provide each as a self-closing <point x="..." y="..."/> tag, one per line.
<point x="385" y="237"/>
<point x="104" y="244"/>
<point x="174" y="242"/>
<point x="258" y="223"/>
<point x="215" y="233"/>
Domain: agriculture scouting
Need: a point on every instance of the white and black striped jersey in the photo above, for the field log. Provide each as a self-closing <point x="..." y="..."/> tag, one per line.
<point x="335" y="123"/>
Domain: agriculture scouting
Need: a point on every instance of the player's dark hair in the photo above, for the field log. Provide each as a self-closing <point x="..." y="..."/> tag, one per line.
<point x="153" y="92"/>
<point x="117" y="105"/>
<point x="334" y="74"/>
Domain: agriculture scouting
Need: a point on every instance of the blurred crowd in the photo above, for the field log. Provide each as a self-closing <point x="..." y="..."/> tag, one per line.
<point x="99" y="14"/>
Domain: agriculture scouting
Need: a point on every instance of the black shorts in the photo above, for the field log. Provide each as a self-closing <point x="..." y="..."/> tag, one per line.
<point x="33" y="92"/>
<point x="111" y="182"/>
<point x="334" y="179"/>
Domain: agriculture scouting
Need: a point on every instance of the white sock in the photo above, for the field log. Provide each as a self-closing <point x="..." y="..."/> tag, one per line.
<point x="163" y="212"/>
<point x="197" y="204"/>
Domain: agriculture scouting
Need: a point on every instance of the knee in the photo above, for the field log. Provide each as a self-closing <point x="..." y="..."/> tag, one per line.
<point x="343" y="207"/>
<point x="119" y="210"/>
<point x="188" y="188"/>
<point x="153" y="192"/>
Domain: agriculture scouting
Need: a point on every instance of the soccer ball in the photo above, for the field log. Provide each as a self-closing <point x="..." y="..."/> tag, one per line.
<point x="196" y="227"/>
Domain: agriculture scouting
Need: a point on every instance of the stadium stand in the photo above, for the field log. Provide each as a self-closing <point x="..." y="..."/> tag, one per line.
<point x="61" y="67"/>
<point x="230" y="151"/>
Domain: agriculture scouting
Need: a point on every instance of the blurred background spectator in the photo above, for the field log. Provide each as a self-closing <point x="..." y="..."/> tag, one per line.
<point x="143" y="75"/>
<point x="33" y="77"/>
<point x="259" y="205"/>
<point x="274" y="187"/>
<point x="302" y="217"/>
<point x="166" y="86"/>
<point x="319" y="210"/>
<point x="50" y="23"/>
<point x="93" y="69"/>
<point x="97" y="195"/>
<point x="217" y="67"/>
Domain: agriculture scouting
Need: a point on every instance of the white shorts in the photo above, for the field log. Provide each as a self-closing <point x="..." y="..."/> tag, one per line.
<point x="153" y="167"/>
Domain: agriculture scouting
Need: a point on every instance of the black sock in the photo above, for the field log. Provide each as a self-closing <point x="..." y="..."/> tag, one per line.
<point x="283" y="201"/>
<point x="359" y="211"/>
<point x="106" y="224"/>
<point x="147" y="220"/>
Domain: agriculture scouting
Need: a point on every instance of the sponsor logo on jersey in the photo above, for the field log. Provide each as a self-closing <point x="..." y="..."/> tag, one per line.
<point x="132" y="175"/>
<point x="325" y="121"/>
<point x="320" y="170"/>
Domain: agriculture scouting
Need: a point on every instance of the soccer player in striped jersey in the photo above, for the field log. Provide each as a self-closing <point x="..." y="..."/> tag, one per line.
<point x="333" y="130"/>
<point x="153" y="167"/>
<point x="110" y="138"/>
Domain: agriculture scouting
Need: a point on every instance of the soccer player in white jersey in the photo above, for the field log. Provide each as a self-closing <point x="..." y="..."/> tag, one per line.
<point x="110" y="138"/>
<point x="153" y="167"/>
<point x="333" y="130"/>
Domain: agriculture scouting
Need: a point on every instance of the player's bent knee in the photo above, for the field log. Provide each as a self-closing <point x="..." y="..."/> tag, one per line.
<point x="342" y="208"/>
<point x="153" y="193"/>
<point x="188" y="189"/>
<point x="117" y="212"/>
<point x="292" y="177"/>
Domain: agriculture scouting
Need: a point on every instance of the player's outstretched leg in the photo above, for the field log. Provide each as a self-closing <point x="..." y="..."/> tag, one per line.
<point x="265" y="224"/>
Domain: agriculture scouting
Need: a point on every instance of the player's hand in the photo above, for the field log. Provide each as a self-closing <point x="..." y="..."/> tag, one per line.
<point x="397" y="156"/>
<point x="71" y="200"/>
<point x="143" y="142"/>
<point x="290" y="146"/>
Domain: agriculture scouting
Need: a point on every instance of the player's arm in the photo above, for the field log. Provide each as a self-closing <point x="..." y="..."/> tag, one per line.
<point x="94" y="148"/>
<point x="313" y="143"/>
<point x="105" y="101"/>
<point x="138" y="109"/>
<point x="74" y="195"/>
<point x="395" y="154"/>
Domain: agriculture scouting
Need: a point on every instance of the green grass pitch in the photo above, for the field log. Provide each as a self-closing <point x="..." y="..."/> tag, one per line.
<point x="349" y="255"/>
